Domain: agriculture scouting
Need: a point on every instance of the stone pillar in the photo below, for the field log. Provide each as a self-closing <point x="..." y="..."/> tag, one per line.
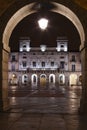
<point x="4" y="101"/>
<point x="83" y="101"/>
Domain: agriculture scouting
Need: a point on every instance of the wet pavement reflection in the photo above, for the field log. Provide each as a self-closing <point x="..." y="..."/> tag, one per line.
<point x="61" y="100"/>
<point x="44" y="110"/>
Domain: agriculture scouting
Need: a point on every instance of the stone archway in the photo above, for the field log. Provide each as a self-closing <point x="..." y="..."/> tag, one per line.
<point x="10" y="23"/>
<point x="24" y="79"/>
<point x="25" y="11"/>
<point x="73" y="79"/>
<point x="43" y="80"/>
<point x="52" y="78"/>
<point x="61" y="79"/>
<point x="34" y="81"/>
<point x="13" y="79"/>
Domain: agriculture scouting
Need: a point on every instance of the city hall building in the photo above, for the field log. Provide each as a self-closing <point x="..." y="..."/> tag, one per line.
<point x="44" y="67"/>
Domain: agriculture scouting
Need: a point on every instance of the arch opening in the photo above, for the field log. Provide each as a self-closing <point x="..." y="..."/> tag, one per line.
<point x="24" y="79"/>
<point x="43" y="80"/>
<point x="52" y="78"/>
<point x="61" y="79"/>
<point x="73" y="79"/>
<point x="25" y="11"/>
<point x="34" y="81"/>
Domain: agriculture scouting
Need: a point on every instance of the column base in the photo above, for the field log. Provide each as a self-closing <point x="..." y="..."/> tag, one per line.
<point x="83" y="107"/>
<point x="4" y="105"/>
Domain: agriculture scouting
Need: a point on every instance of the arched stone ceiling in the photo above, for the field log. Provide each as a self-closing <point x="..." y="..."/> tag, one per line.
<point x="5" y="3"/>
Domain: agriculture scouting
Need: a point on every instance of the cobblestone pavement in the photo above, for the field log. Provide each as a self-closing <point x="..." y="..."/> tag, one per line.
<point x="26" y="121"/>
<point x="44" y="101"/>
<point x="44" y="113"/>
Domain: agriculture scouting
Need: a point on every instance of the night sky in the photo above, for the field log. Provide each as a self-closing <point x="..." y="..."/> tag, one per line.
<point x="58" y="26"/>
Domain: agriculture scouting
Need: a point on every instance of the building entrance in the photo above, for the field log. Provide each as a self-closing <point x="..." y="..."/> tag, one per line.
<point x="43" y="80"/>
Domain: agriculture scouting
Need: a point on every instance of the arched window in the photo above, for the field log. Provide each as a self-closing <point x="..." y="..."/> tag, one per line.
<point x="43" y="80"/>
<point x="34" y="79"/>
<point x="24" y="79"/>
<point x="51" y="79"/>
<point x="73" y="79"/>
<point x="62" y="79"/>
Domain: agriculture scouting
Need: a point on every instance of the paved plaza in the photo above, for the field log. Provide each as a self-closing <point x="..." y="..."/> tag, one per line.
<point x="44" y="112"/>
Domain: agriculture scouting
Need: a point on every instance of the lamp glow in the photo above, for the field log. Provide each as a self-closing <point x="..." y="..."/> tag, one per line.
<point x="43" y="48"/>
<point x="43" y="23"/>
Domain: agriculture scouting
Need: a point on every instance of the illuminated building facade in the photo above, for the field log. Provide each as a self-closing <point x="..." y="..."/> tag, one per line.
<point x="44" y="66"/>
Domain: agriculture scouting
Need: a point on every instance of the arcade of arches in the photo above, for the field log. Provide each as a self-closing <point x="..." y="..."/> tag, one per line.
<point x="49" y="80"/>
<point x="15" y="13"/>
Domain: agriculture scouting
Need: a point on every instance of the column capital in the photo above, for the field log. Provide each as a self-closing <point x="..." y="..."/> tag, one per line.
<point x="82" y="47"/>
<point x="4" y="47"/>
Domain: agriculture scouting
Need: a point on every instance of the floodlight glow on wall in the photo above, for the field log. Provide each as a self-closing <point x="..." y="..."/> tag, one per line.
<point x="43" y="23"/>
<point x="43" y="48"/>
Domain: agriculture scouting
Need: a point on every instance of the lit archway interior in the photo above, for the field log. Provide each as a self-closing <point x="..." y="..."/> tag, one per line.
<point x="73" y="79"/>
<point x="34" y="80"/>
<point x="62" y="79"/>
<point x="51" y="78"/>
<point x="24" y="78"/>
<point x="43" y="79"/>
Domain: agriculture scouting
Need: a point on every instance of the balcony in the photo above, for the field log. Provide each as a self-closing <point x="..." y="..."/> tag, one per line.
<point x="72" y="60"/>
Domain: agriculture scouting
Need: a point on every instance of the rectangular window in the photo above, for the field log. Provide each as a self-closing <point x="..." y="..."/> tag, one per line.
<point x="62" y="64"/>
<point x="43" y="64"/>
<point x="73" y="68"/>
<point x="34" y="64"/>
<point x="24" y="57"/>
<point x="13" y="58"/>
<point x="73" y="58"/>
<point x="52" y="63"/>
<point x="62" y="57"/>
<point x="34" y="54"/>
<point x="24" y="63"/>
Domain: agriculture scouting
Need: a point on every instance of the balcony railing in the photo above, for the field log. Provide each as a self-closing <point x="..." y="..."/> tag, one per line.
<point x="72" y="60"/>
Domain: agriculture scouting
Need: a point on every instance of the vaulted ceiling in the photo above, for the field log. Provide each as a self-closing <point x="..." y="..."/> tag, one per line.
<point x="4" y="4"/>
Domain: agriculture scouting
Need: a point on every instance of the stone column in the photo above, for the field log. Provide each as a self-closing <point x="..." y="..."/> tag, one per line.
<point x="4" y="101"/>
<point x="83" y="101"/>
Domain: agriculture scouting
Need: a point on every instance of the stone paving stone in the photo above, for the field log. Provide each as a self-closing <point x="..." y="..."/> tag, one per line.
<point x="52" y="122"/>
<point x="24" y="126"/>
<point x="22" y="121"/>
<point x="72" y="122"/>
<point x="45" y="105"/>
<point x="26" y="122"/>
<point x="60" y="113"/>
